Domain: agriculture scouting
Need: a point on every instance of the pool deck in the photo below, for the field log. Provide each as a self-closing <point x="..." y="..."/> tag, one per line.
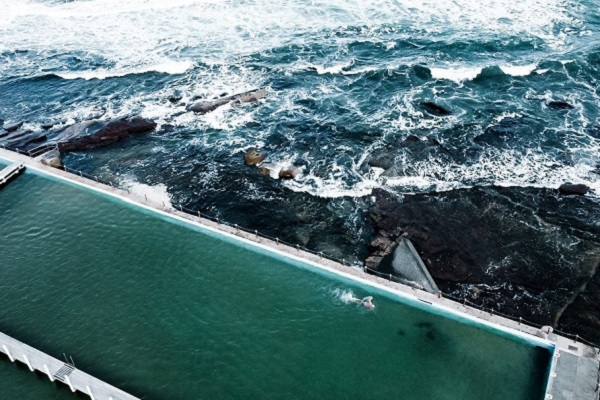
<point x="568" y="354"/>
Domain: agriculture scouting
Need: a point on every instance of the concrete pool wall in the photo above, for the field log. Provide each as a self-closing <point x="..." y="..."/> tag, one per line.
<point x="421" y="299"/>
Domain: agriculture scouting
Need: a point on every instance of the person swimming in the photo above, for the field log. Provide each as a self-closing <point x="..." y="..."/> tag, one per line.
<point x="366" y="301"/>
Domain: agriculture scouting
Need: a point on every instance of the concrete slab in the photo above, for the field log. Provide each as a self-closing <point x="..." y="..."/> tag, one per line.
<point x="408" y="264"/>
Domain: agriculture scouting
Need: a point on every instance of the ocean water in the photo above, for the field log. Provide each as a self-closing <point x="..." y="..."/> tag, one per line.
<point x="346" y="81"/>
<point x="165" y="311"/>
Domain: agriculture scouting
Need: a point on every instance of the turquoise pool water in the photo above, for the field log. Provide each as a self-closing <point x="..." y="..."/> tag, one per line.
<point x="166" y="311"/>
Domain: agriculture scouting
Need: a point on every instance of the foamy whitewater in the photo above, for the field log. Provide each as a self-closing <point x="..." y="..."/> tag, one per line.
<point x="347" y="81"/>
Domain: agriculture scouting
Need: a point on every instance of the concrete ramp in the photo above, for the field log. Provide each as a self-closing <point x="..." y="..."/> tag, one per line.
<point x="408" y="264"/>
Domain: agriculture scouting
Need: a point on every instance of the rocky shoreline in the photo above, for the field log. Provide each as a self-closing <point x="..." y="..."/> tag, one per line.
<point x="530" y="253"/>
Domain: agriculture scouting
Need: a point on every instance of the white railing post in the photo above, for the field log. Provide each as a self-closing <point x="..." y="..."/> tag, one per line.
<point x="48" y="372"/>
<point x="10" y="357"/>
<point x="27" y="362"/>
<point x="90" y="392"/>
<point x="69" y="383"/>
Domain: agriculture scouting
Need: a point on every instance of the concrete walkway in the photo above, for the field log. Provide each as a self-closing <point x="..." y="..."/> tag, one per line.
<point x="7" y="173"/>
<point x="57" y="370"/>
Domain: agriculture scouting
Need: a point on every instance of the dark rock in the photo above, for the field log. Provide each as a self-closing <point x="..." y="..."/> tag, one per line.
<point x="290" y="172"/>
<point x="570" y="188"/>
<point x="559" y="105"/>
<point x="382" y="158"/>
<point x="380" y="247"/>
<point x="76" y="130"/>
<point x="523" y="251"/>
<point x="582" y="315"/>
<point x="435" y="109"/>
<point x="373" y="262"/>
<point x="223" y="94"/>
<point x="18" y="134"/>
<point x="175" y="99"/>
<point x="13" y="127"/>
<point x="93" y="134"/>
<point x="203" y="107"/>
<point x="165" y="128"/>
<point x="505" y="130"/>
<point x="26" y="141"/>
<point x="47" y="126"/>
<point x="254" y="157"/>
<point x="422" y="72"/>
<point x="249" y="97"/>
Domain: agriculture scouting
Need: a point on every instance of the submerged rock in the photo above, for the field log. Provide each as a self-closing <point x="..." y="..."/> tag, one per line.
<point x="203" y="107"/>
<point x="93" y="134"/>
<point x="570" y="188"/>
<point x="267" y="169"/>
<point x="290" y="172"/>
<point x="254" y="157"/>
<point x="12" y="127"/>
<point x="435" y="109"/>
<point x="249" y="97"/>
<point x="206" y="106"/>
<point x="559" y="105"/>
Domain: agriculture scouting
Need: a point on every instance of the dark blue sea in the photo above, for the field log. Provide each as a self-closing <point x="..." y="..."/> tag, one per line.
<point x="480" y="107"/>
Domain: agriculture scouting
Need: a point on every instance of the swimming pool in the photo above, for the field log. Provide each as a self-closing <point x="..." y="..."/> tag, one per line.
<point x="169" y="310"/>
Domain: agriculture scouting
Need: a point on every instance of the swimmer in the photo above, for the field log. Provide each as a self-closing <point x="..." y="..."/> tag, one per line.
<point x="368" y="302"/>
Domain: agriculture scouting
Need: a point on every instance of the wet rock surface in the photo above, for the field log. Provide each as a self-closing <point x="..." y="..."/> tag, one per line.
<point x="206" y="106"/>
<point x="290" y="172"/>
<point x="435" y="109"/>
<point x="570" y="188"/>
<point x="12" y="127"/>
<point x="93" y="134"/>
<point x="525" y="252"/>
<point x="83" y="135"/>
<point x="559" y="105"/>
<point x="254" y="157"/>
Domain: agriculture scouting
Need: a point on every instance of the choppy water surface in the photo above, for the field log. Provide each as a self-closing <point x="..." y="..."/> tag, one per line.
<point x="346" y="79"/>
<point x="168" y="312"/>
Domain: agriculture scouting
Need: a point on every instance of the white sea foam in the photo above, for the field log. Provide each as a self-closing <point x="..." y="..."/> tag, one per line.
<point x="456" y="74"/>
<point x="168" y="67"/>
<point x="462" y="73"/>
<point x="141" y="33"/>
<point x="157" y="193"/>
<point x="495" y="167"/>
<point x="518" y="70"/>
<point x="158" y="35"/>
